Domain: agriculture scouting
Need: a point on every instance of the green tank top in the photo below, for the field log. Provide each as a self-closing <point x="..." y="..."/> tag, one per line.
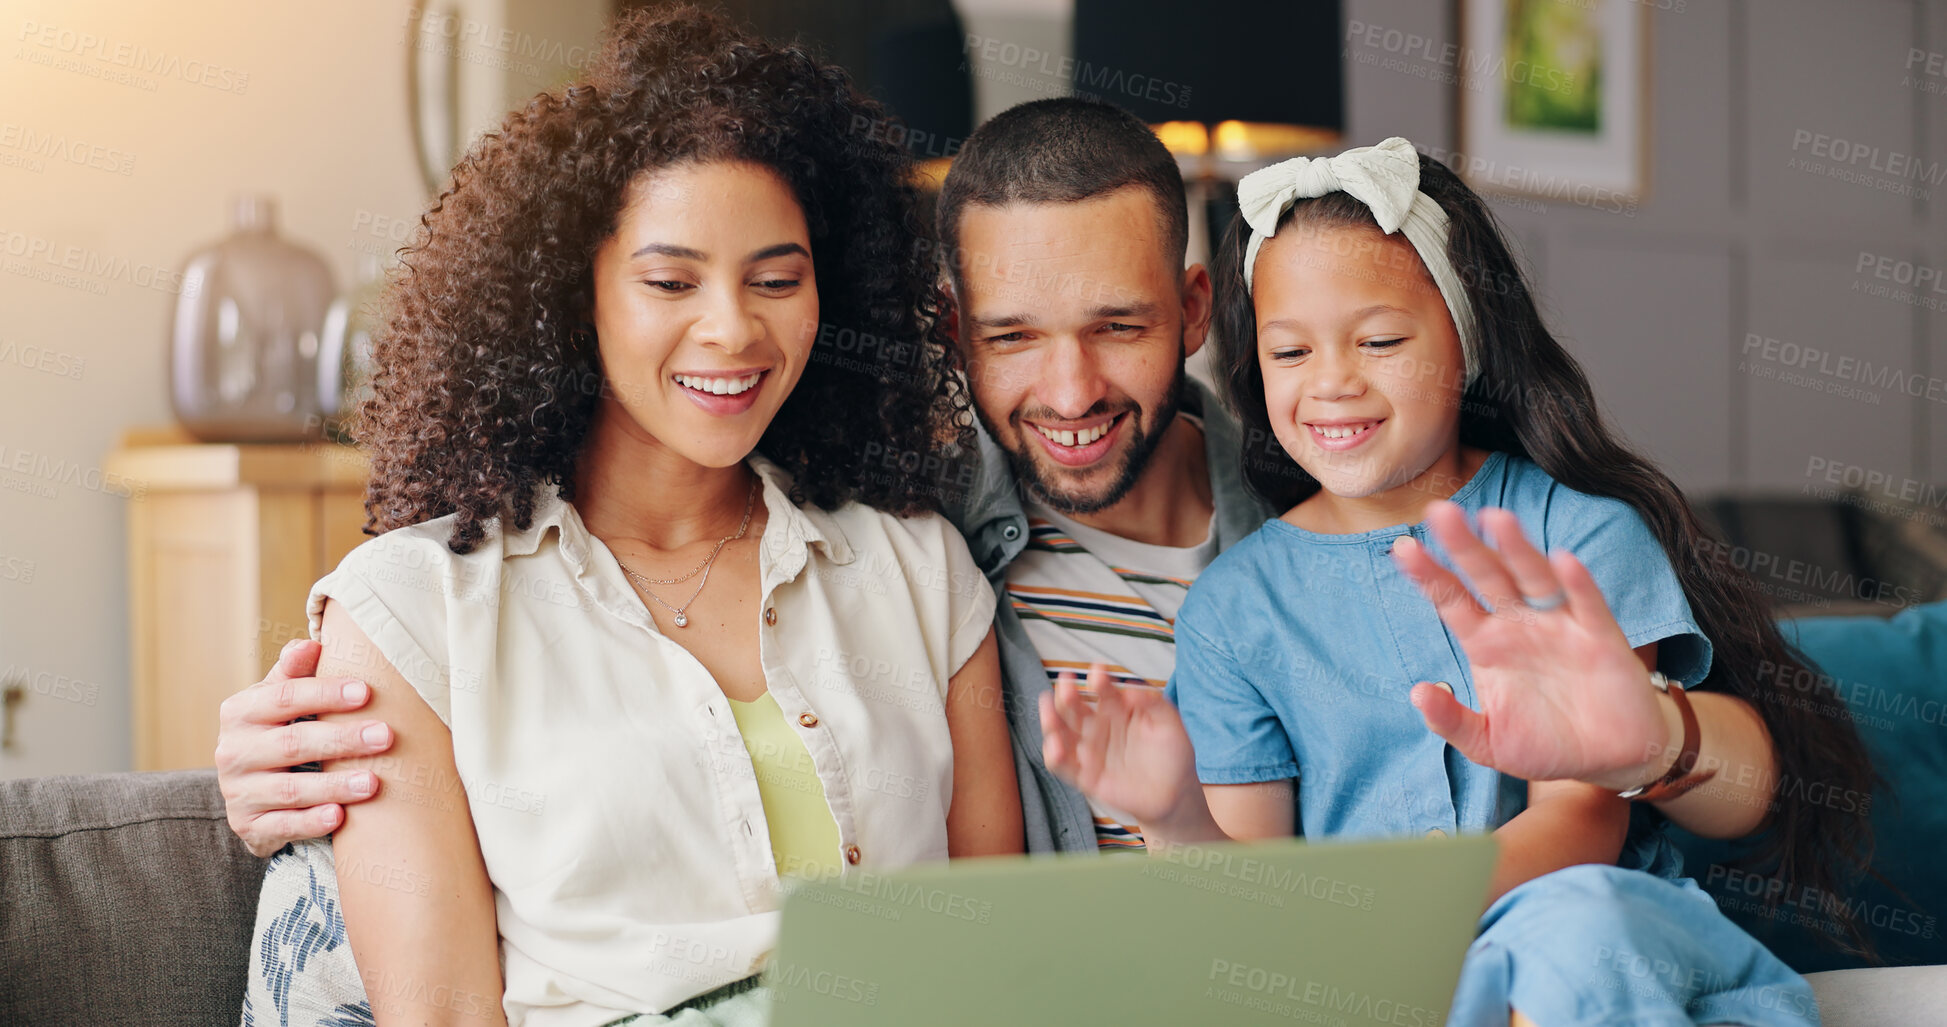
<point x="804" y="837"/>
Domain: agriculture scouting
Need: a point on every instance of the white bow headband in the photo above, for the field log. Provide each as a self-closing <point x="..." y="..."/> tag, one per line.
<point x="1386" y="178"/>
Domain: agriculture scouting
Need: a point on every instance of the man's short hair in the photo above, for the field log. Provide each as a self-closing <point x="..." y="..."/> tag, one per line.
<point x="1061" y="150"/>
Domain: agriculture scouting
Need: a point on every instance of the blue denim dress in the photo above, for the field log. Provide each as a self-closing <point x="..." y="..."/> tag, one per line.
<point x="1295" y="656"/>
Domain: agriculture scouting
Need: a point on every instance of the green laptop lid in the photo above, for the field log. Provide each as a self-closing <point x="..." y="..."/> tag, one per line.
<point x="1284" y="932"/>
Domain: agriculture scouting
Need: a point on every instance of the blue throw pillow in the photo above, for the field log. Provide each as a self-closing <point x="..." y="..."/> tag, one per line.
<point x="1892" y="675"/>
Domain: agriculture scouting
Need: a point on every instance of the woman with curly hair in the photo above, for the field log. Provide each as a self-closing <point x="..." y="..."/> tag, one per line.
<point x="635" y="551"/>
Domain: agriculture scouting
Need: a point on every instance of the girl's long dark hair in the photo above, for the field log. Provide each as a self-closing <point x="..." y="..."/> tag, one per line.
<point x="1531" y="399"/>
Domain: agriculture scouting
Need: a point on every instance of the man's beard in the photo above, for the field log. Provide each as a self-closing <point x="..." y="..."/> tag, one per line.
<point x="1135" y="459"/>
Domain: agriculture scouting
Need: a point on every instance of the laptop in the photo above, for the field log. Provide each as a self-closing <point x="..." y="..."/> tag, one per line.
<point x="1347" y="934"/>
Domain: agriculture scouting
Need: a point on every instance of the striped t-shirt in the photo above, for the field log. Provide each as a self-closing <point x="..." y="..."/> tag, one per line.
<point x="1087" y="596"/>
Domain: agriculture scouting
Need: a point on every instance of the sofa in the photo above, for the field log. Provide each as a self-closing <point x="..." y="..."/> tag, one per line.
<point x="124" y="899"/>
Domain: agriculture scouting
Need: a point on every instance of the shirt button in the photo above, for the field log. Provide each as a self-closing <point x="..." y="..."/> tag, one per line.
<point x="853" y="855"/>
<point x="1444" y="685"/>
<point x="770" y="616"/>
<point x="810" y="720"/>
<point x="1436" y="833"/>
<point x="1011" y="532"/>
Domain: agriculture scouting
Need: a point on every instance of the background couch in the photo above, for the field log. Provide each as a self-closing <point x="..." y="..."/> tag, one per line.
<point x="124" y="899"/>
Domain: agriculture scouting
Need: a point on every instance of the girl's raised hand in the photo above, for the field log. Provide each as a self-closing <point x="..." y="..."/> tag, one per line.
<point x="1562" y="695"/>
<point x="1128" y="749"/>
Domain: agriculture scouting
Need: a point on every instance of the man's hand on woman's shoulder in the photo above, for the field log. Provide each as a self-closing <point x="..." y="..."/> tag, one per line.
<point x="267" y="730"/>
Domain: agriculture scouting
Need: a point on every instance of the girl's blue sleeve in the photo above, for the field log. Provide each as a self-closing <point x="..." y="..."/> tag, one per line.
<point x="1634" y="573"/>
<point x="1237" y="735"/>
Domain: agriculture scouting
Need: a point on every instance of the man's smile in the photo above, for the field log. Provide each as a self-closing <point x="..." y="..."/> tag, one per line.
<point x="1078" y="444"/>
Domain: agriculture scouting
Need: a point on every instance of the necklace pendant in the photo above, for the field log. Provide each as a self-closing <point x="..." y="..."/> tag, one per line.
<point x="682" y="621"/>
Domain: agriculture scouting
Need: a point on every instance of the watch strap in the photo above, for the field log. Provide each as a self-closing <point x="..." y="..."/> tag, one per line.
<point x="1680" y="778"/>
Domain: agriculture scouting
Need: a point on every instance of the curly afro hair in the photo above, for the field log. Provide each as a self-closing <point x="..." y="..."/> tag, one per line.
<point x="487" y="375"/>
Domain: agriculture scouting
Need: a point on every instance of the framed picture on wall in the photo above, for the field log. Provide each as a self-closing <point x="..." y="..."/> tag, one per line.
<point x="1554" y="99"/>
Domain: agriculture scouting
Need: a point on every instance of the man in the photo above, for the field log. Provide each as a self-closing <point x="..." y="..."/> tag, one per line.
<point x="1105" y="479"/>
<point x="1108" y="479"/>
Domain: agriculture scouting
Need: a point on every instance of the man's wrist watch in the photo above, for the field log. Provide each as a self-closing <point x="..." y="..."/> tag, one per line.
<point x="1679" y="779"/>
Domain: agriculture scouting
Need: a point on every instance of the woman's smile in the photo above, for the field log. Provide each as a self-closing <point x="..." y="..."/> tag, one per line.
<point x="722" y="392"/>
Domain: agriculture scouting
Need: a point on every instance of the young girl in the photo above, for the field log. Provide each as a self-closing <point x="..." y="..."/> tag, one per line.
<point x="1374" y="324"/>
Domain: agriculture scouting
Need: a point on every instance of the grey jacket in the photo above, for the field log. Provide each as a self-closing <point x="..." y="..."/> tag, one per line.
<point x="982" y="498"/>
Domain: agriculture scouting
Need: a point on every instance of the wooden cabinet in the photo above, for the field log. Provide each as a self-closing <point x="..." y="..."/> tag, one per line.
<point x="224" y="542"/>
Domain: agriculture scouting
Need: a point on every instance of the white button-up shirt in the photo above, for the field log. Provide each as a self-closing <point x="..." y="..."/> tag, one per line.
<point x="615" y="802"/>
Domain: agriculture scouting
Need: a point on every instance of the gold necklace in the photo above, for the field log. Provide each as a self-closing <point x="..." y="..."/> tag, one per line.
<point x="682" y="619"/>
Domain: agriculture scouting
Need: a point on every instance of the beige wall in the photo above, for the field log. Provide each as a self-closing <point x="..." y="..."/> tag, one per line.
<point x="1044" y="25"/>
<point x="1747" y="239"/>
<point x="115" y="174"/>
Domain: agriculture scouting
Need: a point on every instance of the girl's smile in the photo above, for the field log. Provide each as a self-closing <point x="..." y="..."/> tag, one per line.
<point x="1339" y="436"/>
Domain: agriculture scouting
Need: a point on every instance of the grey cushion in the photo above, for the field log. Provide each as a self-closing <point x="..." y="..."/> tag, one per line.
<point x="124" y="899"/>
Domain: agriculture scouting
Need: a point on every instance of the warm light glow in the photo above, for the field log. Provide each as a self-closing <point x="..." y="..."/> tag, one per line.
<point x="1255" y="140"/>
<point x="1184" y="138"/>
<point x="930" y="175"/>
